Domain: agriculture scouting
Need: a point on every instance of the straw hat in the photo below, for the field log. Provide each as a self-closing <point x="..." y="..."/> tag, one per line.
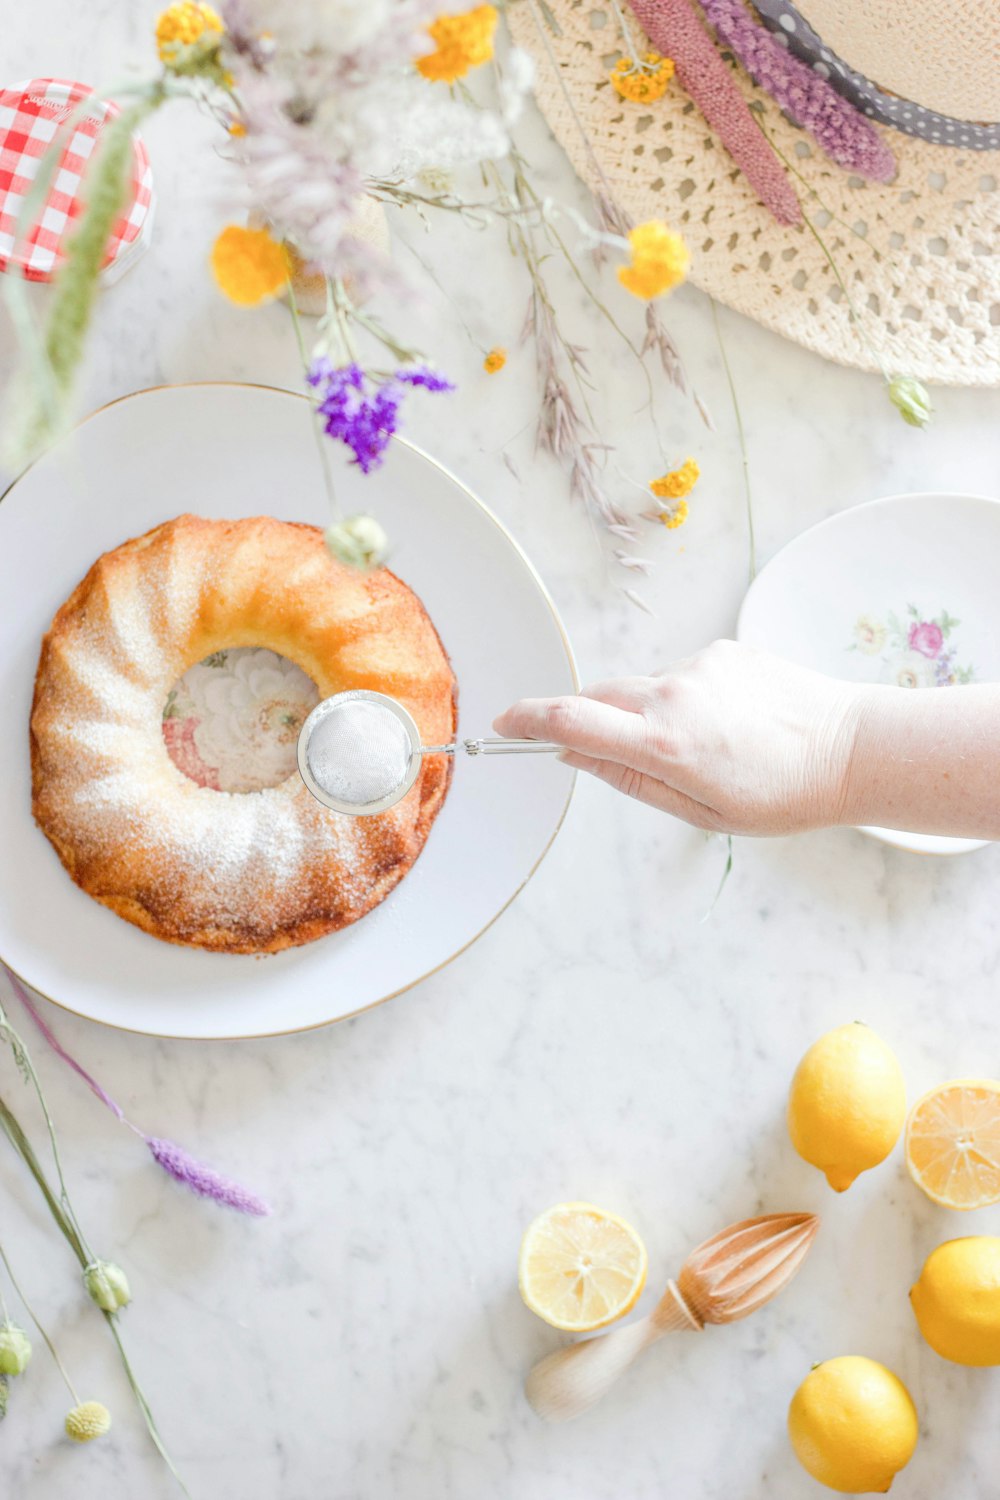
<point x="919" y="255"/>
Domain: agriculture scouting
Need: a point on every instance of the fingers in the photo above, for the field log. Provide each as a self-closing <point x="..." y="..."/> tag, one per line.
<point x="580" y="723"/>
<point x="629" y="693"/>
<point x="645" y="789"/>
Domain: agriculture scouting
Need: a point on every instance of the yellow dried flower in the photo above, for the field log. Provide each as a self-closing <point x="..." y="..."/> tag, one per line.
<point x="494" y="361"/>
<point x="249" y="266"/>
<point x="678" y="483"/>
<point x="87" y="1421"/>
<point x="461" y="42"/>
<point x="183" y="24"/>
<point x="660" y="260"/>
<point x="642" y="81"/>
<point x="675" y="516"/>
<point x="237" y="128"/>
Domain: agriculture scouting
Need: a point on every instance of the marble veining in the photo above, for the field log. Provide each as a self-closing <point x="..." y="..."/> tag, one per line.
<point x="601" y="1041"/>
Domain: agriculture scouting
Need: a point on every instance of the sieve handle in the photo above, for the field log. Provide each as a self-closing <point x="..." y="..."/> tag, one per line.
<point x="510" y="747"/>
<point x="494" y="747"/>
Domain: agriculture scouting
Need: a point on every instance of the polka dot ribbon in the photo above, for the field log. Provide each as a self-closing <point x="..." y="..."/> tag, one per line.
<point x="790" y="27"/>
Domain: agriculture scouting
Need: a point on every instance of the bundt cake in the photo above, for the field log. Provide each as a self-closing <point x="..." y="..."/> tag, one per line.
<point x="234" y="872"/>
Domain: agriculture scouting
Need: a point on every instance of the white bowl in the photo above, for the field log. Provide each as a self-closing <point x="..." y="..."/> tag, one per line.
<point x="231" y="451"/>
<point x="898" y="590"/>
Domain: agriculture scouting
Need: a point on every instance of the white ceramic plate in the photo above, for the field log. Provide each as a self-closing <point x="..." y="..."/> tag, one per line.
<point x="902" y="590"/>
<point x="231" y="451"/>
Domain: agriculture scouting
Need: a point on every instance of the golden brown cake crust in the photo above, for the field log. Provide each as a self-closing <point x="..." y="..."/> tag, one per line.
<point x="234" y="872"/>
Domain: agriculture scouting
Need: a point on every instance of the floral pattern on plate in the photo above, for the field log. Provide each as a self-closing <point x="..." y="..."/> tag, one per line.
<point x="232" y="722"/>
<point x="915" y="650"/>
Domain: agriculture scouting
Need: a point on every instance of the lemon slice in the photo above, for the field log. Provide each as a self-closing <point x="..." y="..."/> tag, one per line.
<point x="953" y="1143"/>
<point x="581" y="1268"/>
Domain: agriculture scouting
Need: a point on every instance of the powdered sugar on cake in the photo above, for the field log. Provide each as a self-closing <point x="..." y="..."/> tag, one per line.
<point x="238" y="871"/>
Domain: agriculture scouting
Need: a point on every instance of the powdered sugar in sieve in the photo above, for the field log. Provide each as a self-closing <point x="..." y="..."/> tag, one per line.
<point x="359" y="752"/>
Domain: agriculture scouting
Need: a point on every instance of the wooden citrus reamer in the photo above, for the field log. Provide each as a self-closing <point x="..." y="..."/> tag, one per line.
<point x="723" y="1280"/>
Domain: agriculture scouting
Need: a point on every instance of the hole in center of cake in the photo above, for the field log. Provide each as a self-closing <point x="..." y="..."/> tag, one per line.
<point x="232" y="721"/>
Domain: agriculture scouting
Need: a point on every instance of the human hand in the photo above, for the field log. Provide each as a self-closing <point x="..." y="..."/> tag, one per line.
<point x="732" y="739"/>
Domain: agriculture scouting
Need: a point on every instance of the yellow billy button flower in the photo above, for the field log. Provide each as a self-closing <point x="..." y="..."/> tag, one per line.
<point x="183" y="24"/>
<point x="249" y="266"/>
<point x="642" y="81"/>
<point x="660" y="260"/>
<point x="678" y="483"/>
<point x="674" y="515"/>
<point x="87" y="1421"/>
<point x="461" y="42"/>
<point x="494" y="361"/>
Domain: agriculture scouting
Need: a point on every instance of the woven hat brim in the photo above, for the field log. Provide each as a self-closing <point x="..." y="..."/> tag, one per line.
<point x="920" y="257"/>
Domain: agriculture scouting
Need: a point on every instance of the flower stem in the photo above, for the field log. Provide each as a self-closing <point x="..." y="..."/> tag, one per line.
<point x="324" y="461"/>
<point x="67" y="1225"/>
<point x="23" y="1057"/>
<point x="34" y="1318"/>
<point x="727" y="871"/>
<point x="21" y="1144"/>
<point x="744" y="454"/>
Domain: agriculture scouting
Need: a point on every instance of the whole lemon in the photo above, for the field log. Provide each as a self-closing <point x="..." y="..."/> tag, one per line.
<point x="853" y="1425"/>
<point x="957" y="1300"/>
<point x="847" y="1104"/>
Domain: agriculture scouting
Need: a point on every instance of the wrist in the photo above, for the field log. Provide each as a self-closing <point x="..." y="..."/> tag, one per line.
<point x="876" y="717"/>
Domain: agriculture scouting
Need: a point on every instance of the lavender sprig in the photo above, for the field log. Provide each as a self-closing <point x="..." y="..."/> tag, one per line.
<point x="203" y="1179"/>
<point x="845" y="136"/>
<point x="184" y="1168"/>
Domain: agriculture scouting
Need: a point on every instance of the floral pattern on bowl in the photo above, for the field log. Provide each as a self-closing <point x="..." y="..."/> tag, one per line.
<point x="915" y="650"/>
<point x="232" y="722"/>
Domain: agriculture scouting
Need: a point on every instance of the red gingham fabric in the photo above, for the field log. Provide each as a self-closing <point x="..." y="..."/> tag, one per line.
<point x="30" y="116"/>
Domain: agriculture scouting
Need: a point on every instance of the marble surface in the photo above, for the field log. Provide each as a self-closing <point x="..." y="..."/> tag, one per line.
<point x="602" y="1041"/>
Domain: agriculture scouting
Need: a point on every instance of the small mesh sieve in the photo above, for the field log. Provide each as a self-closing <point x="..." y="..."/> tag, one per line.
<point x="359" y="752"/>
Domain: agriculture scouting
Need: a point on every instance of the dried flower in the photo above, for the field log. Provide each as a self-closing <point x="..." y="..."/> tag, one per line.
<point x="188" y="36"/>
<point x="660" y="260"/>
<point x="461" y="42"/>
<point x="361" y="411"/>
<point x="166" y="1153"/>
<point x="203" y="1179"/>
<point x="674" y="515"/>
<point x="107" y="1284"/>
<point x="494" y="361"/>
<point x="676" y="29"/>
<point x="678" y="483"/>
<point x="15" y="1349"/>
<point x="642" y="80"/>
<point x="844" y="134"/>
<point x="249" y="265"/>
<point x="911" y="399"/>
<point x="332" y="103"/>
<point x="87" y="1421"/>
<point x="359" y="542"/>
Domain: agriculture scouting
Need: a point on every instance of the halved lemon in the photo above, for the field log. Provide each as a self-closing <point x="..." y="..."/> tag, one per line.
<point x="580" y="1268"/>
<point x="953" y="1143"/>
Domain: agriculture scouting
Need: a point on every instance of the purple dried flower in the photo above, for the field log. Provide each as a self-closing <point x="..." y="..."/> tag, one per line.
<point x="845" y="136"/>
<point x="361" y="411"/>
<point x="173" y="1158"/>
<point x="424" y="376"/>
<point x="203" y="1179"/>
